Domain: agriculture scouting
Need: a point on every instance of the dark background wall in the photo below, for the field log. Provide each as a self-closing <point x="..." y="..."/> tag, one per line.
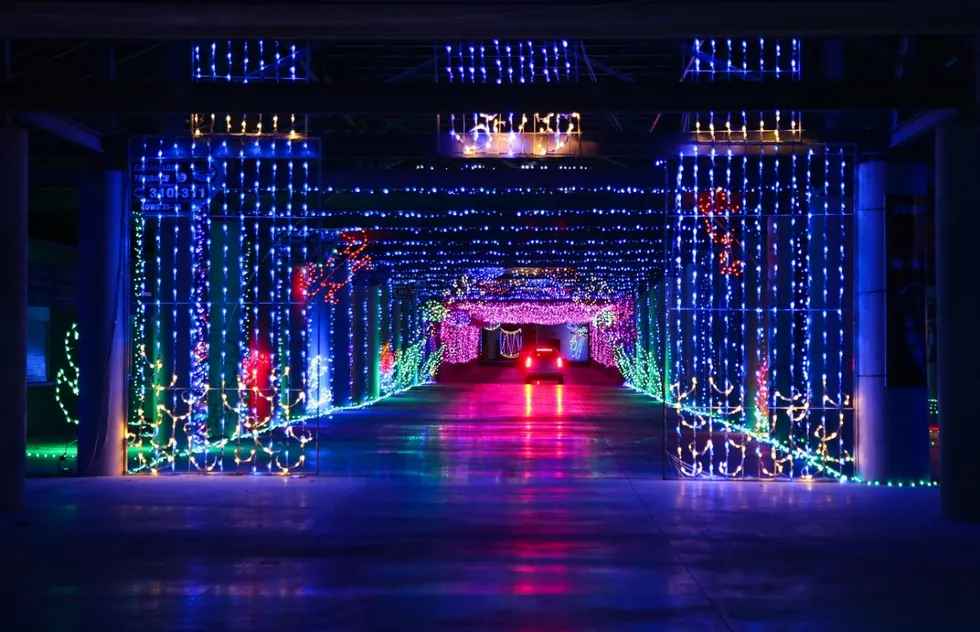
<point x="52" y="285"/>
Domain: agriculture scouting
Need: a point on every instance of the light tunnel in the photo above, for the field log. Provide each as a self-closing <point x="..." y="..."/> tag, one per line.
<point x="274" y="290"/>
<point x="272" y="300"/>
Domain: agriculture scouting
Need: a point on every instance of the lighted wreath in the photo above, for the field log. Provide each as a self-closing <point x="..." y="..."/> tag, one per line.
<point x="434" y="312"/>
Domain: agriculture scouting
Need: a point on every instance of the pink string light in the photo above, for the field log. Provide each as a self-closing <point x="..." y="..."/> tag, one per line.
<point x="531" y="312"/>
<point x="461" y="334"/>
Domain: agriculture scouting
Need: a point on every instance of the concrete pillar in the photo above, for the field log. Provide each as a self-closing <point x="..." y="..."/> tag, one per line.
<point x="958" y="336"/>
<point x="13" y="315"/>
<point x="103" y="257"/>
<point x="374" y="320"/>
<point x="892" y="433"/>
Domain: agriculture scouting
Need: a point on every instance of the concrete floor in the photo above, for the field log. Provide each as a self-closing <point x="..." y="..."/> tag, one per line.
<point x="485" y="507"/>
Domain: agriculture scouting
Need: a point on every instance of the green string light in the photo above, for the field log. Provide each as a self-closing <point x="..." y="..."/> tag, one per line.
<point x="641" y="370"/>
<point x="66" y="379"/>
<point x="412" y="369"/>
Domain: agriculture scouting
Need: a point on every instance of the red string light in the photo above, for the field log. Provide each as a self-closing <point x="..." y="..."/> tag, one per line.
<point x="714" y="207"/>
<point x="318" y="279"/>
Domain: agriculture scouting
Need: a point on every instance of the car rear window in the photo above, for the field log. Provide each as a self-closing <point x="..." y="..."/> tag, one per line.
<point x="544" y="353"/>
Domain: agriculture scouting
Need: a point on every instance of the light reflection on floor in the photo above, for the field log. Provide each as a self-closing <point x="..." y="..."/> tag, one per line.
<point x="496" y="431"/>
<point x="485" y="507"/>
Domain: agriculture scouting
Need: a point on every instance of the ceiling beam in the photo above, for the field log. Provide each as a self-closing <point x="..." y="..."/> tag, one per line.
<point x="915" y="127"/>
<point x="404" y="99"/>
<point x="526" y="19"/>
<point x="66" y="129"/>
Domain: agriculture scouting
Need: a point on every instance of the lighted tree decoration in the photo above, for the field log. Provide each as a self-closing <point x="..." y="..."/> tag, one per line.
<point x="434" y="312"/>
<point x="592" y="290"/>
<point x="641" y="370"/>
<point x="387" y="368"/>
<point x="66" y="380"/>
<point x="404" y="368"/>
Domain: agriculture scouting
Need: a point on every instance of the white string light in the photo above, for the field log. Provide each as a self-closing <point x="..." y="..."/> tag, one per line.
<point x="714" y="429"/>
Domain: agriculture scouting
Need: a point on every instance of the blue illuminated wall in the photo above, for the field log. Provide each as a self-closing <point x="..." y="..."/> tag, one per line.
<point x="749" y="336"/>
<point x="758" y="314"/>
<point x="221" y="354"/>
<point x="251" y="323"/>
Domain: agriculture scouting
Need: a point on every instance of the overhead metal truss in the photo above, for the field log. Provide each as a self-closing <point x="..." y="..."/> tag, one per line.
<point x="527" y="19"/>
<point x="404" y="99"/>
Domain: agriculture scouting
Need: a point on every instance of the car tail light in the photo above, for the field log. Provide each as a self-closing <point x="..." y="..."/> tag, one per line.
<point x="528" y="362"/>
<point x="560" y="363"/>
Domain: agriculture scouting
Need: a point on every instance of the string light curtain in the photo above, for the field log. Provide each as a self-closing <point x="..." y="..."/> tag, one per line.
<point x="435" y="236"/>
<point x="249" y="61"/>
<point x="221" y="357"/>
<point x="754" y="60"/>
<point x="509" y="134"/>
<point x="240" y="303"/>
<point x="759" y="314"/>
<point x="248" y="331"/>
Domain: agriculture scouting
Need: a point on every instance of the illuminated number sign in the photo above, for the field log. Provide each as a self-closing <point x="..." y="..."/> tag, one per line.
<point x="165" y="184"/>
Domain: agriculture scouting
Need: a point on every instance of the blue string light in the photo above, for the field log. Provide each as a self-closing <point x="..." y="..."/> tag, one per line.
<point x="775" y="65"/>
<point x="708" y="379"/>
<point x="233" y="59"/>
<point x="721" y="416"/>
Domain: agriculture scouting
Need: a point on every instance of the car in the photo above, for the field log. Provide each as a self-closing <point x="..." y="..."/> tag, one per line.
<point x="544" y="363"/>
